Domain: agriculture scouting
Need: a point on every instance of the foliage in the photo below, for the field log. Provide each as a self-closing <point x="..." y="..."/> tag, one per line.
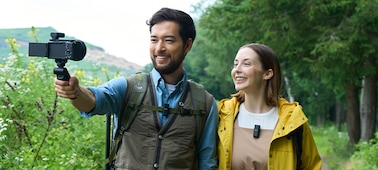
<point x="365" y="158"/>
<point x="332" y="146"/>
<point x="211" y="59"/>
<point x="323" y="47"/>
<point x="147" y="68"/>
<point x="38" y="130"/>
<point x="311" y="94"/>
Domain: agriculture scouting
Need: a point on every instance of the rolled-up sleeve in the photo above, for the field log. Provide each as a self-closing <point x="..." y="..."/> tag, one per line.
<point x="109" y="97"/>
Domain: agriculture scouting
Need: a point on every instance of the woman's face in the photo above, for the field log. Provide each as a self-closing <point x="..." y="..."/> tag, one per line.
<point x="247" y="73"/>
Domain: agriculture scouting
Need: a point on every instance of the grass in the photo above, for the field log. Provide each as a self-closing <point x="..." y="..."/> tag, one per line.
<point x="333" y="147"/>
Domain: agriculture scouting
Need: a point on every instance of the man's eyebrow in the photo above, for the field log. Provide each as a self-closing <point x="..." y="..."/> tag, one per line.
<point x="169" y="36"/>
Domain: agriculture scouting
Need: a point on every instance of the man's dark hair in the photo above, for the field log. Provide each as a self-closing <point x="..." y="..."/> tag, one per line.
<point x="187" y="27"/>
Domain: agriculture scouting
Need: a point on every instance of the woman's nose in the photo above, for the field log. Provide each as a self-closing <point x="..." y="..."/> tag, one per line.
<point x="237" y="67"/>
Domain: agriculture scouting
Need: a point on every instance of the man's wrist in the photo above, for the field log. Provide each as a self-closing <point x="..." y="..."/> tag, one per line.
<point x="77" y="95"/>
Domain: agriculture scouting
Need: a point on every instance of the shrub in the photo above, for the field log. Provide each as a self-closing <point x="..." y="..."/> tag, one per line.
<point x="333" y="146"/>
<point x="38" y="130"/>
<point x="365" y="158"/>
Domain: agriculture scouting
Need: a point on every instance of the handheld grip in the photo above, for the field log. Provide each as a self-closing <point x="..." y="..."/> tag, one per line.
<point x="62" y="74"/>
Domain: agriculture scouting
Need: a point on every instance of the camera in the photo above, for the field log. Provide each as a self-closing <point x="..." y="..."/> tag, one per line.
<point x="59" y="49"/>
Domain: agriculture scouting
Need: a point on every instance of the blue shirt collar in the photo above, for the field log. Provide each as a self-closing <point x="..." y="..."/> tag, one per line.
<point x="156" y="77"/>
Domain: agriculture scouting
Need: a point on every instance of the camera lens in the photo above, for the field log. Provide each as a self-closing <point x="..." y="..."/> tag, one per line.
<point x="79" y="50"/>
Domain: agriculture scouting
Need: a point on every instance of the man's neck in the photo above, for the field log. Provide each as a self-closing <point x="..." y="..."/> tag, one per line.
<point x="174" y="77"/>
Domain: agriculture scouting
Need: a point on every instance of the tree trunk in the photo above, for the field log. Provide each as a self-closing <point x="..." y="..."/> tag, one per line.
<point x="340" y="115"/>
<point x="353" y="116"/>
<point x="368" y="101"/>
<point x="320" y="120"/>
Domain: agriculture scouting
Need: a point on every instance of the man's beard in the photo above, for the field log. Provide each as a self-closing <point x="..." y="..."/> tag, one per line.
<point x="170" y="68"/>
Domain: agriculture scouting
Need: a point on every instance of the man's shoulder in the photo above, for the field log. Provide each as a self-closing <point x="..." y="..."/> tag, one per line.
<point x="199" y="87"/>
<point x="196" y="85"/>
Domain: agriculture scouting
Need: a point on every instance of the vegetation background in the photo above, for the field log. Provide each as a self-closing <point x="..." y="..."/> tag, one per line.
<point x="328" y="53"/>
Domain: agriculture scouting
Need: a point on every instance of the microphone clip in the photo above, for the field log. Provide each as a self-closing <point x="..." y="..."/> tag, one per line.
<point x="256" y="131"/>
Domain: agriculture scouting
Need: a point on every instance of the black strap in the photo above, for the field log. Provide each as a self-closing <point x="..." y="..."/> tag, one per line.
<point x="297" y="143"/>
<point x="166" y="112"/>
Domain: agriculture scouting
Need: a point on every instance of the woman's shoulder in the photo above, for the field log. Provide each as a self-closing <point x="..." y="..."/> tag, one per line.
<point x="285" y="104"/>
<point x="228" y="105"/>
<point x="291" y="112"/>
<point x="227" y="102"/>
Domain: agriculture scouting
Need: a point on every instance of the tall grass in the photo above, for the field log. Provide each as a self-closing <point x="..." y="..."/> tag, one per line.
<point x="338" y="154"/>
<point x="38" y="130"/>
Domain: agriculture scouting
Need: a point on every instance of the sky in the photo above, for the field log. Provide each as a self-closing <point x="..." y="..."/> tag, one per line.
<point x="118" y="26"/>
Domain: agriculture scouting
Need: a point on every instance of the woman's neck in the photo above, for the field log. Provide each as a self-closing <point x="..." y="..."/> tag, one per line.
<point x="256" y="104"/>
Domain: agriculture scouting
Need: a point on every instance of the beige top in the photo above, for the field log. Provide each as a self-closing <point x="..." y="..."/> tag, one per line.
<point x="251" y="153"/>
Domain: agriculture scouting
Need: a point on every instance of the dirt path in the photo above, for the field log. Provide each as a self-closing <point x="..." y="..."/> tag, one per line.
<point x="324" y="163"/>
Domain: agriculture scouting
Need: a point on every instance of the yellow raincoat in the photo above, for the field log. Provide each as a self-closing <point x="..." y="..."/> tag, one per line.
<point x="281" y="152"/>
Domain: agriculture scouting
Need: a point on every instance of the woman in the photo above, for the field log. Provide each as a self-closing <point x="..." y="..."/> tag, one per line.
<point x="257" y="128"/>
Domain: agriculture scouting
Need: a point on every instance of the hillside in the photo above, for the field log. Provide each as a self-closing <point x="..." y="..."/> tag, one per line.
<point x="99" y="56"/>
<point x="95" y="55"/>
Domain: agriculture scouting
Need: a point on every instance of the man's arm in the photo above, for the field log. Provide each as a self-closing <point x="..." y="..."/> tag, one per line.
<point x="208" y="149"/>
<point x="82" y="98"/>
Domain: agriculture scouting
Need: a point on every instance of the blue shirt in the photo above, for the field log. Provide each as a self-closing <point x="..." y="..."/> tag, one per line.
<point x="110" y="97"/>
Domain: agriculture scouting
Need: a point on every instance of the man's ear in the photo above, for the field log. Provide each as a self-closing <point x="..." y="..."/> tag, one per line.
<point x="188" y="45"/>
<point x="268" y="74"/>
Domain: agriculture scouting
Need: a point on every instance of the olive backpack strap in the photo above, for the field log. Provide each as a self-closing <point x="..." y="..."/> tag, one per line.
<point x="136" y="89"/>
<point x="202" y="101"/>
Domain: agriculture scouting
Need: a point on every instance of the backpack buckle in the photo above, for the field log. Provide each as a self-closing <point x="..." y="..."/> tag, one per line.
<point x="202" y="112"/>
<point x="166" y="110"/>
<point x="182" y="110"/>
<point x="131" y="105"/>
<point x="121" y="130"/>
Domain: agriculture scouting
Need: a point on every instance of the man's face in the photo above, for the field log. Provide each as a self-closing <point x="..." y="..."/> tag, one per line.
<point x="167" y="49"/>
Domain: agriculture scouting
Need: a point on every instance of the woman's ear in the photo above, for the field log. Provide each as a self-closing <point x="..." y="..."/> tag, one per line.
<point x="268" y="74"/>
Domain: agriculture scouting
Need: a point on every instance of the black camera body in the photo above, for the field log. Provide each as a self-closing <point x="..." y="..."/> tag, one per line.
<point x="61" y="51"/>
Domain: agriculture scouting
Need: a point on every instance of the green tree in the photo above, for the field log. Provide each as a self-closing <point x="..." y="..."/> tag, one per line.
<point x="222" y="29"/>
<point x="349" y="41"/>
<point x="364" y="39"/>
<point x="315" y="41"/>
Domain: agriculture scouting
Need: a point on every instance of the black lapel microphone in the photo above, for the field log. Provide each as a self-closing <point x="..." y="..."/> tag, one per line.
<point x="256" y="131"/>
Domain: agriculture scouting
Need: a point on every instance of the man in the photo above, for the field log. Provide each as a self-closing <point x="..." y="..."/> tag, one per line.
<point x="156" y="140"/>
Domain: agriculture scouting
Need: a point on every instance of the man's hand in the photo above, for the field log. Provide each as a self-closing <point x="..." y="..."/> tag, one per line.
<point x="67" y="89"/>
<point x="82" y="98"/>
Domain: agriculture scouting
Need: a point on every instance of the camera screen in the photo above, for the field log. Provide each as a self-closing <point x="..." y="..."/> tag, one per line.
<point x="60" y="50"/>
